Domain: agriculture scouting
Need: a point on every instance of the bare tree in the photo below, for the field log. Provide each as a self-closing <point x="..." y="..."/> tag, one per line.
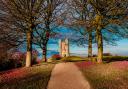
<point x="98" y="15"/>
<point x="53" y="10"/>
<point x="82" y="19"/>
<point x="107" y="12"/>
<point x="24" y="15"/>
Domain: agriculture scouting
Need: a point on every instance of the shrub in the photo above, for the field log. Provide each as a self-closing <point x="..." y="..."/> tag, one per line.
<point x="56" y="57"/>
<point x="94" y="55"/>
<point x="107" y="54"/>
<point x="38" y="61"/>
<point x="115" y="58"/>
<point x="18" y="59"/>
<point x="8" y="63"/>
<point x="4" y="64"/>
<point x="34" y="56"/>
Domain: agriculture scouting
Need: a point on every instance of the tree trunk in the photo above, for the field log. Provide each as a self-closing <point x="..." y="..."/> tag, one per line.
<point x="29" y="49"/>
<point x="90" y="45"/>
<point x="99" y="44"/>
<point x="45" y="53"/>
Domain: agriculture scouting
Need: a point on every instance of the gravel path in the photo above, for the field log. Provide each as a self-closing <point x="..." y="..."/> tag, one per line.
<point x="67" y="76"/>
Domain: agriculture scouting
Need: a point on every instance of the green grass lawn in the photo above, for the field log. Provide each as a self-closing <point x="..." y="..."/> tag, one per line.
<point x="35" y="77"/>
<point x="74" y="59"/>
<point x="106" y="76"/>
<point x="105" y="58"/>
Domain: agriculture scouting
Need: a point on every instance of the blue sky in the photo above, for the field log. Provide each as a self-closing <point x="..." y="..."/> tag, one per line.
<point x="120" y="49"/>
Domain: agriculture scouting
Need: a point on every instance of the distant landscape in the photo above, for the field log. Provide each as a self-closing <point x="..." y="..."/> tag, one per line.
<point x="120" y="49"/>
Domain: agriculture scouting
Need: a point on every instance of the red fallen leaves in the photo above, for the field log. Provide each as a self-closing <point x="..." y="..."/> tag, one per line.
<point x="123" y="65"/>
<point x="84" y="64"/>
<point x="120" y="64"/>
<point x="24" y="74"/>
<point x="109" y="75"/>
<point x="13" y="74"/>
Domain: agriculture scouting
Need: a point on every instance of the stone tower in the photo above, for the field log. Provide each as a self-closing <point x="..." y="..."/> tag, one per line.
<point x="64" y="47"/>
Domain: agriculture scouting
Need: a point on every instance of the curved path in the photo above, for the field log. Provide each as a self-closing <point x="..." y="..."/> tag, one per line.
<point x="67" y="76"/>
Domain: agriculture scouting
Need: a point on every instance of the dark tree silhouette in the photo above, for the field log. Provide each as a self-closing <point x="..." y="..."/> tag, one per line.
<point x="23" y="15"/>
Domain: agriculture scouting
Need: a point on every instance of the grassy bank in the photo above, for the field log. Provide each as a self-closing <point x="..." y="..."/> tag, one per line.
<point x="105" y="58"/>
<point x="106" y="76"/>
<point x="36" y="77"/>
<point x="74" y="59"/>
